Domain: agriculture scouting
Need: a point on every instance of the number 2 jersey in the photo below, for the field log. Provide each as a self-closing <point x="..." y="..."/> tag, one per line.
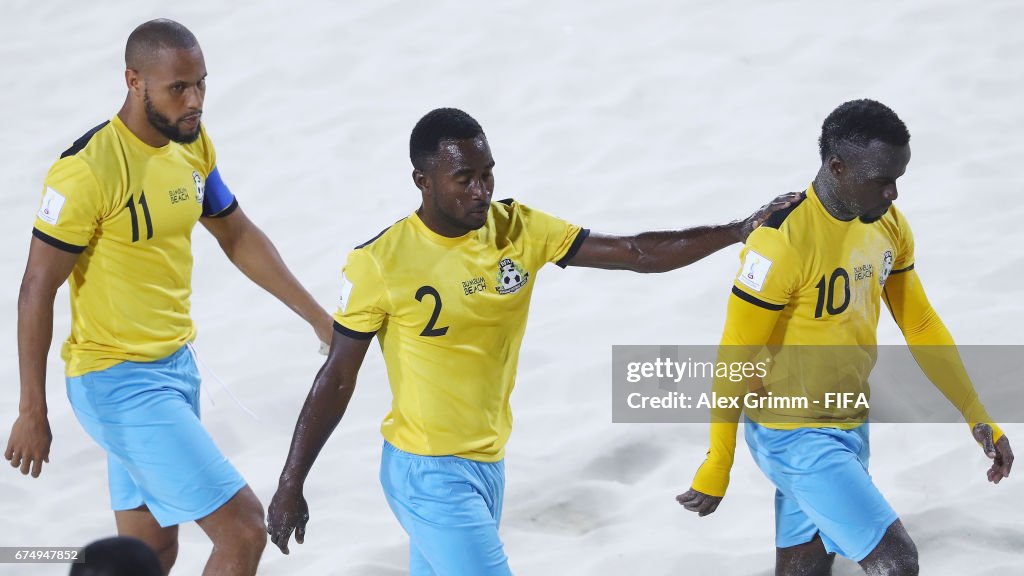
<point x="128" y="210"/>
<point x="450" y="314"/>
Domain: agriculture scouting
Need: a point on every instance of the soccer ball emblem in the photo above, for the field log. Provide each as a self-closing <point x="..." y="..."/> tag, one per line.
<point x="509" y="275"/>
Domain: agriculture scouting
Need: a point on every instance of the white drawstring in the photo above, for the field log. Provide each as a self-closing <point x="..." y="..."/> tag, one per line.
<point x="203" y="368"/>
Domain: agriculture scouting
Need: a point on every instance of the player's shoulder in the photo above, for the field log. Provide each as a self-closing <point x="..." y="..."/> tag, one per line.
<point x="779" y="229"/>
<point x="789" y="215"/>
<point x="384" y="239"/>
<point x="511" y="216"/>
<point x="93" y="155"/>
<point x="94" y="139"/>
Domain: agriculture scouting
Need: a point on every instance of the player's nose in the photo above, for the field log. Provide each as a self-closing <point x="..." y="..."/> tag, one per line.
<point x="477" y="189"/>
<point x="890" y="193"/>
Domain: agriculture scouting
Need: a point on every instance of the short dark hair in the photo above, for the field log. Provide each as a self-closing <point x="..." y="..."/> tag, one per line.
<point x="859" y="122"/>
<point x="437" y="126"/>
<point x="152" y="36"/>
<point x="117" y="556"/>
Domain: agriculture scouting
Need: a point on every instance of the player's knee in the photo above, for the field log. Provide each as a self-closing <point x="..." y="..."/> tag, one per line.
<point x="252" y="531"/>
<point x="168" y="555"/>
<point x="896" y="555"/>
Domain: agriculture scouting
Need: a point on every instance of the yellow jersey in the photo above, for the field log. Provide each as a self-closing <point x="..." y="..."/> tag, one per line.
<point x="807" y="295"/>
<point x="128" y="209"/>
<point x="449" y="314"/>
<point x="826" y="278"/>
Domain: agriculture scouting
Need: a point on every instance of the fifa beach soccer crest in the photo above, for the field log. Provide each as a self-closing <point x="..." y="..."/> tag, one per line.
<point x="200" y="186"/>
<point x="886" y="267"/>
<point x="511" y="277"/>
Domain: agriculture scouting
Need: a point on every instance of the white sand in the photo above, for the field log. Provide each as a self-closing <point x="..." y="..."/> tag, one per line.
<point x="621" y="116"/>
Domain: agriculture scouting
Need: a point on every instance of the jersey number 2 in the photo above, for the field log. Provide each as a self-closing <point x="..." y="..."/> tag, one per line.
<point x="429" y="329"/>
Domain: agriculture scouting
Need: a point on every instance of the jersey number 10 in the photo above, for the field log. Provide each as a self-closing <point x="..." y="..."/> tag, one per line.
<point x="826" y="298"/>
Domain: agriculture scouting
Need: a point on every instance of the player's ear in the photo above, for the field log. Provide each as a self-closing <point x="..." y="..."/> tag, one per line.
<point x="135" y="82"/>
<point x="836" y="165"/>
<point x="421" y="181"/>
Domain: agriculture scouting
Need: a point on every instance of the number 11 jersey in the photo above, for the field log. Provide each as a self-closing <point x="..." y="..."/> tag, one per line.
<point x="128" y="210"/>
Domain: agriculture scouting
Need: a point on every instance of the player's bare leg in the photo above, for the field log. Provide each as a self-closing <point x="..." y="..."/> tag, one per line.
<point x="895" y="555"/>
<point x="808" y="559"/>
<point x="139" y="523"/>
<point x="238" y="534"/>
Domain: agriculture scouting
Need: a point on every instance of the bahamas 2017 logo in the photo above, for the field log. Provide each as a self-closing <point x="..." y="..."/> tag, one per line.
<point x="511" y="277"/>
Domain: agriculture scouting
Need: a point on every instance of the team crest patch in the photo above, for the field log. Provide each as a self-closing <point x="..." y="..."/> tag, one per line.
<point x="886" y="267"/>
<point x="511" y="277"/>
<point x="200" y="186"/>
<point x="755" y="270"/>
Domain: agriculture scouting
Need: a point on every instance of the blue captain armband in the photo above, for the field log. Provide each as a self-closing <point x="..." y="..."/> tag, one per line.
<point x="218" y="201"/>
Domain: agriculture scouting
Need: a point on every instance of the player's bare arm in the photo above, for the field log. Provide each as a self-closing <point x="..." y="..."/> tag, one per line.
<point x="254" y="254"/>
<point x="48" y="267"/>
<point x="324" y="407"/>
<point x="662" y="251"/>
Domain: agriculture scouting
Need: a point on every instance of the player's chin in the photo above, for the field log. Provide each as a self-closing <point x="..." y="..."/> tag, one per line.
<point x="187" y="132"/>
<point x="475" y="220"/>
<point x="873" y="216"/>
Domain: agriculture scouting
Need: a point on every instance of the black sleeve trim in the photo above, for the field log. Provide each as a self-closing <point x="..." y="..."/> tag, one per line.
<point x="576" y="243"/>
<point x="379" y="234"/>
<point x="80" y="144"/>
<point x="227" y="211"/>
<point x="756" y="301"/>
<point x="57" y="243"/>
<point x="353" y="333"/>
<point x="902" y="270"/>
<point x="776" y="219"/>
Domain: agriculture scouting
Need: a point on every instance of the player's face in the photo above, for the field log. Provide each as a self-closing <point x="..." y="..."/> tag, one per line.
<point x="867" y="180"/>
<point x="174" y="90"/>
<point x="459" y="184"/>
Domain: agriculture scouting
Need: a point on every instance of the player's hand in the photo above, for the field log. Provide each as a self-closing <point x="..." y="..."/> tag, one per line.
<point x="764" y="212"/>
<point x="999" y="452"/>
<point x="699" y="502"/>
<point x="288" y="511"/>
<point x="29" y="444"/>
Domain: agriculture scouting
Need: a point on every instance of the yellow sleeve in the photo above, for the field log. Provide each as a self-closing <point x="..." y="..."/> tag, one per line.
<point x="553" y="239"/>
<point x="933" y="346"/>
<point x="364" y="301"/>
<point x="747" y="328"/>
<point x="71" y="207"/>
<point x="768" y="276"/>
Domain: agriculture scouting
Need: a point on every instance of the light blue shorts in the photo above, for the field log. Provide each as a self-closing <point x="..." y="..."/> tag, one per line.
<point x="822" y="486"/>
<point x="451" y="508"/>
<point x="146" y="416"/>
